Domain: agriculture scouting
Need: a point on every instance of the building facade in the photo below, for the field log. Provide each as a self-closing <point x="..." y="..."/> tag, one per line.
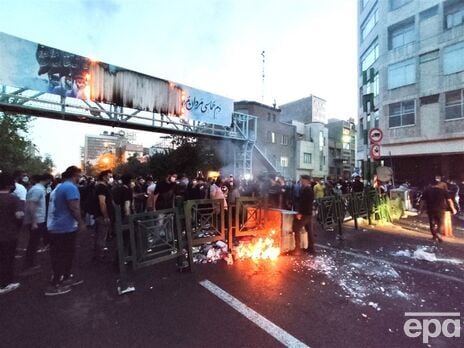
<point x="342" y="148"/>
<point x="274" y="150"/>
<point x="306" y="110"/>
<point x="411" y="85"/>
<point x="311" y="150"/>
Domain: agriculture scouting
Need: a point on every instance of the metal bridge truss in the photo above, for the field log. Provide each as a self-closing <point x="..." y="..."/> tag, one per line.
<point x="29" y="102"/>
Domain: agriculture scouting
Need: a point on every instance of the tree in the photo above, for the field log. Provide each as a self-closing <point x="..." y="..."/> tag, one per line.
<point x="190" y="156"/>
<point x="16" y="150"/>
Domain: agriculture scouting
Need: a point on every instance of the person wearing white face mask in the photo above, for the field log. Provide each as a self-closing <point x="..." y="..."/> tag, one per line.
<point x="104" y="213"/>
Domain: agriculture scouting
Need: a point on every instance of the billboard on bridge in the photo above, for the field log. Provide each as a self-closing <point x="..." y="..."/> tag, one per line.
<point x="25" y="64"/>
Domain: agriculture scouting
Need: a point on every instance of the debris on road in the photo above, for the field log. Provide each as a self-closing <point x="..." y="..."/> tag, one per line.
<point x="424" y="253"/>
<point x="212" y="253"/>
<point x="359" y="280"/>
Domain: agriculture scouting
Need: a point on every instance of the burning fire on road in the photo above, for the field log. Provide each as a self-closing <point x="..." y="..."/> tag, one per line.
<point x="259" y="248"/>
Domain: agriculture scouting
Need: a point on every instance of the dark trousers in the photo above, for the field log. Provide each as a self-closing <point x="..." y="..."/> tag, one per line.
<point x="62" y="249"/>
<point x="306" y="222"/>
<point x="7" y="258"/>
<point x="33" y="244"/>
<point x="436" y="220"/>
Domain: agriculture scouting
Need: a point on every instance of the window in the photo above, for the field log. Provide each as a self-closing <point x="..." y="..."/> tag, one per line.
<point x="284" y="140"/>
<point x="401" y="34"/>
<point x="426" y="57"/>
<point x="272" y="137"/>
<point x="402" y="114"/>
<point x="269" y="117"/>
<point x="374" y="87"/>
<point x="395" y="4"/>
<point x="453" y="58"/>
<point x="273" y="117"/>
<point x="370" y="56"/>
<point x="284" y="162"/>
<point x="454" y="104"/>
<point x="402" y="73"/>
<point x="454" y="14"/>
<point x="369" y="23"/>
<point x="432" y="11"/>
<point x="346" y="146"/>
<point x="307" y="158"/>
<point x="430" y="99"/>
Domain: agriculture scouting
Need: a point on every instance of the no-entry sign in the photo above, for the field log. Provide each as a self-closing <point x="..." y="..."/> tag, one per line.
<point x="375" y="151"/>
<point x="375" y="135"/>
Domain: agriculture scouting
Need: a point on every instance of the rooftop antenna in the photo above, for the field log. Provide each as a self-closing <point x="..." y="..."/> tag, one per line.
<point x="263" y="54"/>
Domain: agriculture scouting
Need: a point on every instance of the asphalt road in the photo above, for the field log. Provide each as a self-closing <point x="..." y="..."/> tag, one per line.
<point x="353" y="294"/>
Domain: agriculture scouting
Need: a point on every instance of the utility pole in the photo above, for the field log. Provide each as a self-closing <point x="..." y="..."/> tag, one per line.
<point x="263" y="54"/>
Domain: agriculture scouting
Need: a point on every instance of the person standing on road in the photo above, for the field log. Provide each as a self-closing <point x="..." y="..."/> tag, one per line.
<point x="65" y="221"/>
<point x="123" y="196"/>
<point x="318" y="189"/>
<point x="437" y="201"/>
<point x="19" y="190"/>
<point x="150" y="191"/>
<point x="357" y="185"/>
<point x="304" y="216"/>
<point x="165" y="193"/>
<point x="34" y="220"/>
<point x="11" y="213"/>
<point x="104" y="213"/>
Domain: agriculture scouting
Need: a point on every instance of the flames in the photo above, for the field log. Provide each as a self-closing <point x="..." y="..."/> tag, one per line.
<point x="262" y="248"/>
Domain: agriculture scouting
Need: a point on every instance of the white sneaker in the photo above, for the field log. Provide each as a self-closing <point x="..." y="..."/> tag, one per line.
<point x="9" y="288"/>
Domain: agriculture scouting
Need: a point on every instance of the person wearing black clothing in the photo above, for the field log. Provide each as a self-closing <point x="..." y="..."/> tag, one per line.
<point x="357" y="185"/>
<point x="104" y="212"/>
<point x="437" y="201"/>
<point x="123" y="196"/>
<point x="165" y="192"/>
<point x="305" y="214"/>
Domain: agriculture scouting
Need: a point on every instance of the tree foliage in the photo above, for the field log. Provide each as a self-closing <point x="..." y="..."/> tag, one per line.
<point x="189" y="156"/>
<point x="16" y="150"/>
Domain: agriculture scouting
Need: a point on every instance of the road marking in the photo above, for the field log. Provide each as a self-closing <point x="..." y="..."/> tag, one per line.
<point x="432" y="314"/>
<point x="398" y="265"/>
<point x="272" y="329"/>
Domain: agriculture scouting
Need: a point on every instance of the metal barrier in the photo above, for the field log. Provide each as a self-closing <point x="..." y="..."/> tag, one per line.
<point x="205" y="221"/>
<point x="149" y="238"/>
<point x="333" y="210"/>
<point x="249" y="216"/>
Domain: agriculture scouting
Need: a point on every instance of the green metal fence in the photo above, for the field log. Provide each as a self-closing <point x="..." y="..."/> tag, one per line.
<point x="332" y="211"/>
<point x="205" y="221"/>
<point x="149" y="238"/>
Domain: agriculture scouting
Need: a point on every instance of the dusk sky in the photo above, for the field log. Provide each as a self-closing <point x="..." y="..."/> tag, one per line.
<point x="214" y="45"/>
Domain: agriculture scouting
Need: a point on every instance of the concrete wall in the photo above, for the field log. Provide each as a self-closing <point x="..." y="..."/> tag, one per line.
<point x="306" y="110"/>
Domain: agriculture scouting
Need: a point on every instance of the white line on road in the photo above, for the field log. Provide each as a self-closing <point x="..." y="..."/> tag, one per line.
<point x="272" y="329"/>
<point x="398" y="265"/>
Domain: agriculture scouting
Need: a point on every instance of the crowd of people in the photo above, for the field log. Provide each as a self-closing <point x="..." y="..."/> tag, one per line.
<point x="53" y="210"/>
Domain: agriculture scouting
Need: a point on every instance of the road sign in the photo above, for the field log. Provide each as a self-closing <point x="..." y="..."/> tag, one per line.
<point x="375" y="135"/>
<point x="375" y="151"/>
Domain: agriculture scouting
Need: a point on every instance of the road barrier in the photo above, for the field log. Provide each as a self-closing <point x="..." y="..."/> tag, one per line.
<point x="146" y="239"/>
<point x="205" y="221"/>
<point x="332" y="211"/>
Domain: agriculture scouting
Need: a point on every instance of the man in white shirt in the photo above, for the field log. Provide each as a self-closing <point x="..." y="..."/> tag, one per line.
<point x="19" y="191"/>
